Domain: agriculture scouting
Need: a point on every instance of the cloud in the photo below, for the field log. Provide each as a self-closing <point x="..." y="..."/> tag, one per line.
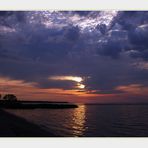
<point x="72" y="33"/>
<point x="102" y="47"/>
<point x="135" y="24"/>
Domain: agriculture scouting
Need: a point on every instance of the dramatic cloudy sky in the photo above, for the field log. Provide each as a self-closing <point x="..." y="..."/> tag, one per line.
<point x="78" y="56"/>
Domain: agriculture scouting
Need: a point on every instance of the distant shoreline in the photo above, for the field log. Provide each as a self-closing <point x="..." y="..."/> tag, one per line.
<point x="35" y="104"/>
<point x="13" y="126"/>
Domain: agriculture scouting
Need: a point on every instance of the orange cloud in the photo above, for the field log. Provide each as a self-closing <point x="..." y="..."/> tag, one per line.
<point x="133" y="89"/>
<point x="25" y="90"/>
<point x="30" y="91"/>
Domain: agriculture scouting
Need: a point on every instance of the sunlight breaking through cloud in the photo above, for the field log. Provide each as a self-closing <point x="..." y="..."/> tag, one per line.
<point x="76" y="79"/>
<point x="69" y="78"/>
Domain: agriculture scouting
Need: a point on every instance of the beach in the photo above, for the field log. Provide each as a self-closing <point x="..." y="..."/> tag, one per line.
<point x="13" y="126"/>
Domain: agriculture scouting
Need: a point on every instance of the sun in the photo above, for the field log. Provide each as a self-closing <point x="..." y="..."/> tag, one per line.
<point x="81" y="86"/>
<point x="76" y="79"/>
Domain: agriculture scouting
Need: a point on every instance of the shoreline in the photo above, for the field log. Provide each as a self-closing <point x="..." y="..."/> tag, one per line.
<point x="14" y="126"/>
<point x="35" y="104"/>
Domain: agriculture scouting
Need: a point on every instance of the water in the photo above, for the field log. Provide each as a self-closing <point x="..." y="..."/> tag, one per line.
<point x="91" y="120"/>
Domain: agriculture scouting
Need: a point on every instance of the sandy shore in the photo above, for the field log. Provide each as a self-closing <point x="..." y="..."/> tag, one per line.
<point x="13" y="126"/>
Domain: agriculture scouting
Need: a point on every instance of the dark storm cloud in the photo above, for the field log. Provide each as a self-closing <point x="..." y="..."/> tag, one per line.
<point x="128" y="31"/>
<point x="34" y="53"/>
<point x="72" y="33"/>
<point x="102" y="28"/>
<point x="111" y="48"/>
<point x="129" y="20"/>
<point x="80" y="13"/>
<point x="83" y="13"/>
<point x="5" y="13"/>
<point x="65" y="85"/>
<point x="139" y="36"/>
<point x="10" y="18"/>
<point x="33" y="50"/>
<point x="113" y="43"/>
<point x="135" y="23"/>
<point x="51" y="45"/>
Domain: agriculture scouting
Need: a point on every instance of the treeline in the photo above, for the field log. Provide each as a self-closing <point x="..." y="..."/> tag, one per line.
<point x="8" y="97"/>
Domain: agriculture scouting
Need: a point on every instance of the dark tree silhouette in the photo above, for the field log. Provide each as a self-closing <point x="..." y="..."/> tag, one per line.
<point x="10" y="97"/>
<point x="0" y="96"/>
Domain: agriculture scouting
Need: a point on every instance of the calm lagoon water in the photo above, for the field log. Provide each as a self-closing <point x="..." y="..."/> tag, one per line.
<point x="91" y="120"/>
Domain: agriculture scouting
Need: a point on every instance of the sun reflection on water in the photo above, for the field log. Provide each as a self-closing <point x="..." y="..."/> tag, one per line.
<point x="78" y="124"/>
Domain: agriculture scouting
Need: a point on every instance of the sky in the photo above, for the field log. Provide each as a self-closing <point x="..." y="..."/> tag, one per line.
<point x="75" y="56"/>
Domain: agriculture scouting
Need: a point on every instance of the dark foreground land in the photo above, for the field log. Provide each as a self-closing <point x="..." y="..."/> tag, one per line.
<point x="13" y="126"/>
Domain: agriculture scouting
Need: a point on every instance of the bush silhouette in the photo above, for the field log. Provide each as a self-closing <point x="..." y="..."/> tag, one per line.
<point x="10" y="97"/>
